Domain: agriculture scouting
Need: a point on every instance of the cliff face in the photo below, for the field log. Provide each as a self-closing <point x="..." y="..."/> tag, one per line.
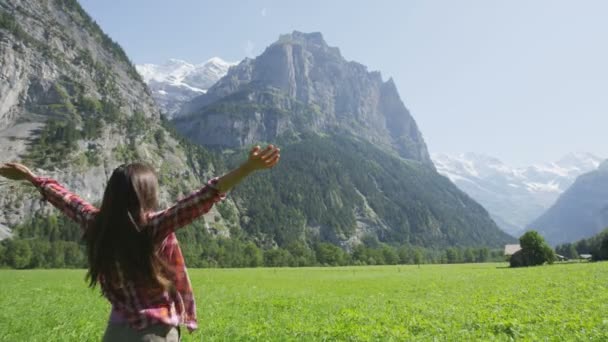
<point x="73" y="107"/>
<point x="300" y="84"/>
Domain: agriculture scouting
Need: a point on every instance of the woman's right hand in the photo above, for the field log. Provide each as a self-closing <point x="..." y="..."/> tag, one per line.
<point x="16" y="171"/>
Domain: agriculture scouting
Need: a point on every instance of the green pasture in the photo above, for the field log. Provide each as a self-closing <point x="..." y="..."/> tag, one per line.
<point x="561" y="302"/>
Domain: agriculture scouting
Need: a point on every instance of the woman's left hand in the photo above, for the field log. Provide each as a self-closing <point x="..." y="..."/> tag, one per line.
<point x="258" y="160"/>
<point x="16" y="171"/>
<point x="263" y="159"/>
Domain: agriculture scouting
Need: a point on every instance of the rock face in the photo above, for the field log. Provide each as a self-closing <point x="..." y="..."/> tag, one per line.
<point x="580" y="212"/>
<point x="73" y="107"/>
<point x="514" y="196"/>
<point x="300" y="84"/>
<point x="176" y="82"/>
<point x="45" y="58"/>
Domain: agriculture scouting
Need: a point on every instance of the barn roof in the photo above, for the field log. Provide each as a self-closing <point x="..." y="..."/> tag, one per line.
<point x="511" y="249"/>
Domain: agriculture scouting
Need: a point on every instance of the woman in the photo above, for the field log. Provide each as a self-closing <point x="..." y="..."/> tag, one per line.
<point x="132" y="250"/>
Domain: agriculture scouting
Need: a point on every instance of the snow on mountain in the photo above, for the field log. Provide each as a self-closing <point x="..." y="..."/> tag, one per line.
<point x="513" y="196"/>
<point x="580" y="212"/>
<point x="176" y="81"/>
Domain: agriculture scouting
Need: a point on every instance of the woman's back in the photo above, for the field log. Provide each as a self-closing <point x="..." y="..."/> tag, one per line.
<point x="132" y="249"/>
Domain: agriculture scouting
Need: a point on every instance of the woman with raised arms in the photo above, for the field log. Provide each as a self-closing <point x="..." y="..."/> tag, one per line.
<point x="133" y="253"/>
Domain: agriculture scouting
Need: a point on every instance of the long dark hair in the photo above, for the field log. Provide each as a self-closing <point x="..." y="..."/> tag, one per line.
<point x="119" y="246"/>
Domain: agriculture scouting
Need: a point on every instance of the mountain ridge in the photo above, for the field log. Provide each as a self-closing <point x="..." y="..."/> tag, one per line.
<point x="580" y="212"/>
<point x="514" y="195"/>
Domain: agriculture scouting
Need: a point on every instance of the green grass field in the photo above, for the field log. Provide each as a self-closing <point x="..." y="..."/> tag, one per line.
<point x="429" y="303"/>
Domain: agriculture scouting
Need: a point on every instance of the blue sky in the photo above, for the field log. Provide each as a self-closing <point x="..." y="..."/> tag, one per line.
<point x="525" y="81"/>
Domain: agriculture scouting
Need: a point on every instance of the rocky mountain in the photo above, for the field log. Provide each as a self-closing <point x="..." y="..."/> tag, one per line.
<point x="300" y="84"/>
<point x="355" y="165"/>
<point x="176" y="82"/>
<point x="580" y="212"/>
<point x="73" y="107"/>
<point x="514" y="196"/>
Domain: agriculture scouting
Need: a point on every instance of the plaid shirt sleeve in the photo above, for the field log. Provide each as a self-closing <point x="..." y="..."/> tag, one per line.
<point x="70" y="204"/>
<point x="185" y="210"/>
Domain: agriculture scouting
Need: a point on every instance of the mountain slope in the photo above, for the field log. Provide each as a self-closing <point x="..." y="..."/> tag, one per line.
<point x="73" y="107"/>
<point x="176" y="82"/>
<point x="513" y="196"/>
<point x="300" y="84"/>
<point x="580" y="212"/>
<point x="343" y="189"/>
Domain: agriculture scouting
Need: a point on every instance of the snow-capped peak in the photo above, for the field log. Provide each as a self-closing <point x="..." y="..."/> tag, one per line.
<point x="176" y="81"/>
<point x="514" y="196"/>
<point x="219" y="61"/>
<point x="577" y="159"/>
<point x="474" y="165"/>
<point x="177" y="72"/>
<point x="470" y="165"/>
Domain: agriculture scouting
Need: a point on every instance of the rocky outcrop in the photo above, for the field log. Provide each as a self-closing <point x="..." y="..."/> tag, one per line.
<point x="301" y="84"/>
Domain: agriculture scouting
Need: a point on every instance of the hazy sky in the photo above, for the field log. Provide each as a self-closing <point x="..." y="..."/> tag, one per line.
<point x="525" y="81"/>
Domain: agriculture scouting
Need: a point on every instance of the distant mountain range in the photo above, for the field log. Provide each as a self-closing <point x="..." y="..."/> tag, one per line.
<point x="580" y="212"/>
<point x="514" y="196"/>
<point x="176" y="82"/>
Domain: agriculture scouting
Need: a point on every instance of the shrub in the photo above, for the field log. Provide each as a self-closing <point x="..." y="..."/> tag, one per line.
<point x="534" y="251"/>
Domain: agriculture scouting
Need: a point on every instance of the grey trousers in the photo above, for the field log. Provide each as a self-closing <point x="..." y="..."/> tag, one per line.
<point x="122" y="332"/>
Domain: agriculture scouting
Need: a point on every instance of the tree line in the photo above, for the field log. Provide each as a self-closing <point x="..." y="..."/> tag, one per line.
<point x="55" y="242"/>
<point x="597" y="246"/>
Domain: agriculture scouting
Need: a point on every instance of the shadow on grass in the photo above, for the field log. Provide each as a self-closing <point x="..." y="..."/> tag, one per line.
<point x="576" y="262"/>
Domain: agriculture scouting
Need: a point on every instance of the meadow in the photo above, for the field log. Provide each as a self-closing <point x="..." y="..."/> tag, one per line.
<point x="561" y="302"/>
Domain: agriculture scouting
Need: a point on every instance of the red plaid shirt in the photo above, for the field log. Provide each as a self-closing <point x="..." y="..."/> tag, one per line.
<point x="135" y="305"/>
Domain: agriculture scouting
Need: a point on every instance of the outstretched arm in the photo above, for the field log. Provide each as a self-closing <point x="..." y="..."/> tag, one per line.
<point x="200" y="202"/>
<point x="258" y="160"/>
<point x="70" y="204"/>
